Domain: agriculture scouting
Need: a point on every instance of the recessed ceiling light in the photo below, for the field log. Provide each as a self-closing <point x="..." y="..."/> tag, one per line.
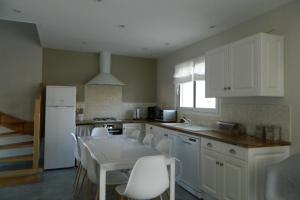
<point x="122" y="26"/>
<point x="212" y="27"/>
<point x="16" y="10"/>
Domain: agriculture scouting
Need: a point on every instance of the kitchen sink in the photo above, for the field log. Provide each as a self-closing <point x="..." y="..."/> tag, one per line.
<point x="188" y="127"/>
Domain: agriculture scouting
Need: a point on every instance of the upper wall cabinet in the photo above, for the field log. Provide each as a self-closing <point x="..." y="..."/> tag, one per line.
<point x="249" y="67"/>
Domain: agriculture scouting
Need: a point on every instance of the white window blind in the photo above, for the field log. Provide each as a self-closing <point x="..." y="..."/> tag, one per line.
<point x="199" y="69"/>
<point x="184" y="72"/>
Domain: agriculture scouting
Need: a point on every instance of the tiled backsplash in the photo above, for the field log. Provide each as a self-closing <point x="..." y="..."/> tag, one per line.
<point x="106" y="101"/>
<point x="249" y="115"/>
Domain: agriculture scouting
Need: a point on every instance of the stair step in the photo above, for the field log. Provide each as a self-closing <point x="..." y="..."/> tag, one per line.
<point x="6" y="153"/>
<point x="15" y="146"/>
<point x="20" y="172"/>
<point x="17" y="177"/>
<point x="16" y="159"/>
<point x="4" y="130"/>
<point x="15" y="138"/>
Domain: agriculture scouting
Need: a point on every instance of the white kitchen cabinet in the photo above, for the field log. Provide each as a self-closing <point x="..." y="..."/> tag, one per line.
<point x="249" y="67"/>
<point x="216" y="62"/>
<point x="210" y="172"/>
<point x="233" y="174"/>
<point x="223" y="177"/>
<point x="230" y="172"/>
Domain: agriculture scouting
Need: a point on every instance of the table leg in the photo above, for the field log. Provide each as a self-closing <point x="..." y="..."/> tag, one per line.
<point x="102" y="184"/>
<point x="172" y="180"/>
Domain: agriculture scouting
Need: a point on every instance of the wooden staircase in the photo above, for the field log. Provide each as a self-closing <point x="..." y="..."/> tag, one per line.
<point x="19" y="144"/>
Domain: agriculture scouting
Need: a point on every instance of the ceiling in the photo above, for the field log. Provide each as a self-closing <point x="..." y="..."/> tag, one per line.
<point x="153" y="28"/>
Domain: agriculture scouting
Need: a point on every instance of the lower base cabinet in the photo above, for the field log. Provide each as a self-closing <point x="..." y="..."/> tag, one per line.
<point x="230" y="172"/>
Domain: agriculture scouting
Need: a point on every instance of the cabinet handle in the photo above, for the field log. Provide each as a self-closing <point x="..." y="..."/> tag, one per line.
<point x="150" y="127"/>
<point x="217" y="163"/>
<point x="221" y="164"/>
<point x="229" y="88"/>
<point x="232" y="151"/>
<point x="209" y="144"/>
<point x="225" y="88"/>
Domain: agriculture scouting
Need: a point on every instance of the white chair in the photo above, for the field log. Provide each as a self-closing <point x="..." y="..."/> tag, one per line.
<point x="112" y="177"/>
<point x="134" y="134"/>
<point x="83" y="172"/>
<point x="77" y="157"/>
<point x="164" y="146"/>
<point x="83" y="130"/>
<point x="148" y="139"/>
<point x="149" y="179"/>
<point x="99" y="131"/>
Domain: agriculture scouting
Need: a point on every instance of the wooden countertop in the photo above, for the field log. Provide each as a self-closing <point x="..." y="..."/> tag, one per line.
<point x="239" y="140"/>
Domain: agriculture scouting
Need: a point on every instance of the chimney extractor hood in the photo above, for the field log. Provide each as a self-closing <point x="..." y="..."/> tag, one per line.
<point x="105" y="77"/>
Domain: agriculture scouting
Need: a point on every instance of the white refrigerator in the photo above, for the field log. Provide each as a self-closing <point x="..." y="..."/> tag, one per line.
<point x="59" y="123"/>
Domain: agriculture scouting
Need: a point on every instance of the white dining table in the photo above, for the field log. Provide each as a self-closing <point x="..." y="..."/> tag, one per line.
<point x="120" y="152"/>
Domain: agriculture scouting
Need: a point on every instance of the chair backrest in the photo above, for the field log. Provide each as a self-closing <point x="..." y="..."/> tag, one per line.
<point x="134" y="134"/>
<point x="82" y="154"/>
<point x="149" y="178"/>
<point x="83" y="130"/>
<point x="148" y="139"/>
<point x="75" y="147"/>
<point x="91" y="167"/>
<point x="99" y="131"/>
<point x="164" y="146"/>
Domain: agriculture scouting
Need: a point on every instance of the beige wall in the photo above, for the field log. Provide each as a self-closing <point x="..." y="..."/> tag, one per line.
<point x="139" y="75"/>
<point x="76" y="68"/>
<point x="20" y="68"/>
<point x="283" y="21"/>
<point x="106" y="101"/>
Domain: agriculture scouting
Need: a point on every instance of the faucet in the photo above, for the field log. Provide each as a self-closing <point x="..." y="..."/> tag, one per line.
<point x="186" y="120"/>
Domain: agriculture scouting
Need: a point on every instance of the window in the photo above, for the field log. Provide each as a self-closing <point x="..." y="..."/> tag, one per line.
<point x="186" y="94"/>
<point x="189" y="78"/>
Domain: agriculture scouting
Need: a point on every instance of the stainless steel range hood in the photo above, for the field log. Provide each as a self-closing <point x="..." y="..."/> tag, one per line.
<point x="105" y="77"/>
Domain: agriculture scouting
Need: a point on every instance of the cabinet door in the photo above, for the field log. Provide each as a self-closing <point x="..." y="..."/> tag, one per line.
<point x="233" y="179"/>
<point x="243" y="67"/>
<point x="210" y="172"/>
<point x="60" y="96"/>
<point x="216" y="67"/>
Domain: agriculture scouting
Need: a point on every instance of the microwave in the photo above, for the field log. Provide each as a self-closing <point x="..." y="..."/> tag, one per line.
<point x="166" y="115"/>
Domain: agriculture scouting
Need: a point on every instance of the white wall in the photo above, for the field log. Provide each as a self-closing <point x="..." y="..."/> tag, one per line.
<point x="283" y="21"/>
<point x="20" y="68"/>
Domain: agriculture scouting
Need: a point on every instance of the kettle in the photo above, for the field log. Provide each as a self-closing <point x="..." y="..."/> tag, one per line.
<point x="136" y="113"/>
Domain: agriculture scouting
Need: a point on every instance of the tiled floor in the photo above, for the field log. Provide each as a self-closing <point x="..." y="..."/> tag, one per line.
<point x="57" y="185"/>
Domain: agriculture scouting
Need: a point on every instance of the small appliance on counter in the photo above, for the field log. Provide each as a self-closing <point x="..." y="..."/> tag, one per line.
<point x="166" y="115"/>
<point x="153" y="112"/>
<point x="231" y="127"/>
<point x="136" y="114"/>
